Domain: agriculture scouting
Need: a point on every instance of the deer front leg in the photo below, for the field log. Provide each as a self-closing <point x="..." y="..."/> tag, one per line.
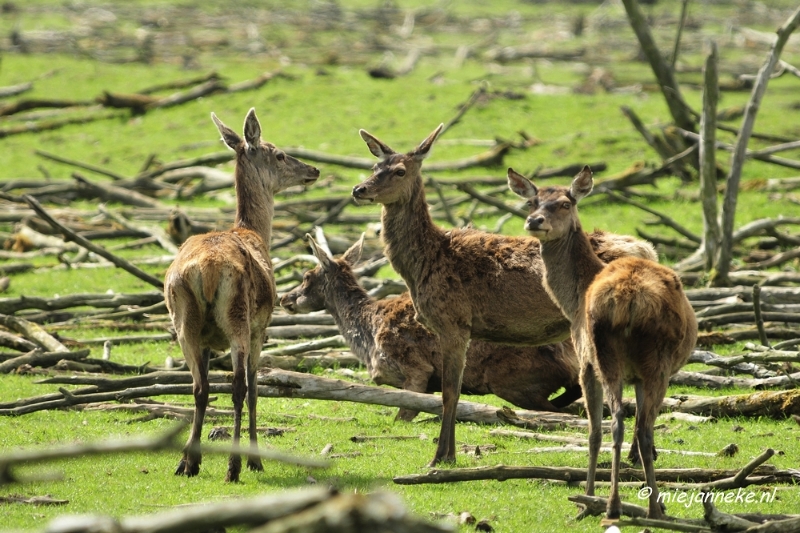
<point x="593" y="395"/>
<point x="454" y="350"/>
<point x="253" y="462"/>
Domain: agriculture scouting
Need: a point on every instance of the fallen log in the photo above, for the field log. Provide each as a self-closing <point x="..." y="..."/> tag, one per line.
<point x="32" y="332"/>
<point x="101" y="300"/>
<point x="696" y="379"/>
<point x="575" y="475"/>
<point x="43" y="359"/>
<point x="14" y="342"/>
<point x="112" y="193"/>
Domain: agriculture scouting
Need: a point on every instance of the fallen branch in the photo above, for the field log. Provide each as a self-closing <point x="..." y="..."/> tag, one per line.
<point x="43" y="359"/>
<point x="102" y="252"/>
<point x="33" y="332"/>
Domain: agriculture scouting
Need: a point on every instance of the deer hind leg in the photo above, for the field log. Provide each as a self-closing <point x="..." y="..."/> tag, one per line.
<point x="633" y="455"/>
<point x="653" y="396"/>
<point x="256" y="341"/>
<point x="454" y="345"/>
<point x="614" y="392"/>
<point x="416" y="381"/>
<point x="240" y="349"/>
<point x="593" y="395"/>
<point x="187" y="320"/>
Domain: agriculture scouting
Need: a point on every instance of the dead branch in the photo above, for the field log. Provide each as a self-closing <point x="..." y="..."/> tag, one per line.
<point x="740" y="149"/>
<point x="25" y="105"/>
<point x="72" y="236"/>
<point x="708" y="161"/>
<point x="155" y="231"/>
<point x="466" y="106"/>
<point x="573" y="475"/>
<point x="166" y="441"/>
<point x="33" y="332"/>
<point x="49" y="125"/>
<point x="14" y="342"/>
<point x="112" y="193"/>
<point x="101" y="300"/>
<point x="38" y="358"/>
<point x="179" y="84"/>
<point x="662" y="218"/>
<point x="13" y="90"/>
<point x="663" y="73"/>
<point x="470" y="190"/>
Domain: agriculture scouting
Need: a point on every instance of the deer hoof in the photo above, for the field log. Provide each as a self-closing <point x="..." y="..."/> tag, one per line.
<point x="255" y="465"/>
<point x="187" y="469"/>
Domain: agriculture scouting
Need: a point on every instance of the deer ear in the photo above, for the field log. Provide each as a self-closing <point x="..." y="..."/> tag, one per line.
<point x="376" y="146"/>
<point x="321" y="255"/>
<point x="582" y="184"/>
<point x="229" y="137"/>
<point x="353" y="254"/>
<point x="520" y="185"/>
<point x="424" y="149"/>
<point x="252" y="128"/>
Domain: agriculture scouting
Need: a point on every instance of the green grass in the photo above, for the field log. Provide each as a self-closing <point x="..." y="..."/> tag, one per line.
<point x="321" y="106"/>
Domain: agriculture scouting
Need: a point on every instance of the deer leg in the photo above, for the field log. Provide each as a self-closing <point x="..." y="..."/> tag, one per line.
<point x="454" y="352"/>
<point x="415" y="382"/>
<point x="253" y="462"/>
<point x="593" y="395"/>
<point x="651" y="403"/>
<point x="239" y="355"/>
<point x="633" y="455"/>
<point x="197" y="360"/>
<point x="618" y="433"/>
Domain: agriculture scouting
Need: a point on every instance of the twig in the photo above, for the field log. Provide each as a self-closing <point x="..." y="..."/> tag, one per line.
<point x="474" y="97"/>
<point x="663" y="219"/>
<point x="681" y="24"/>
<point x="71" y="162"/>
<point x="762" y="335"/>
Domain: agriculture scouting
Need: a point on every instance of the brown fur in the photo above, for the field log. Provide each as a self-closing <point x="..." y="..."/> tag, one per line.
<point x="631" y="323"/>
<point x="220" y="289"/>
<point x="464" y="283"/>
<point x="398" y="351"/>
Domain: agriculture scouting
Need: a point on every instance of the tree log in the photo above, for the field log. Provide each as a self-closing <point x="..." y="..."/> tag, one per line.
<point x="32" y="332"/>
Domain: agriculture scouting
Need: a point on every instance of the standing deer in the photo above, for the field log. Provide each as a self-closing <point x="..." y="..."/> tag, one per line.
<point x="464" y="283"/>
<point x="220" y="289"/>
<point x="631" y="322"/>
<point x="398" y="351"/>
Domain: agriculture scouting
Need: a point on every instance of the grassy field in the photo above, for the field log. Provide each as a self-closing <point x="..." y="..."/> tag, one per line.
<point x="321" y="103"/>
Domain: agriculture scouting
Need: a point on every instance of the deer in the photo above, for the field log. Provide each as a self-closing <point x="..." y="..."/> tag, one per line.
<point x="220" y="288"/>
<point x="464" y="283"/>
<point x="631" y="323"/>
<point x="398" y="351"/>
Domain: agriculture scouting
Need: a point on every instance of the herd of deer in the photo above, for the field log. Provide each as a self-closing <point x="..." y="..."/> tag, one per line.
<point x="518" y="317"/>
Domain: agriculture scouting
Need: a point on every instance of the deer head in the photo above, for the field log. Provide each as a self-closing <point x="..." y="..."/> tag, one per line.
<point x="310" y="295"/>
<point x="553" y="210"/>
<point x="263" y="160"/>
<point x="394" y="176"/>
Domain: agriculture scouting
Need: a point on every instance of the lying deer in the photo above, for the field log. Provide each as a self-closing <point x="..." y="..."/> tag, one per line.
<point x="398" y="351"/>
<point x="464" y="283"/>
<point x="631" y="323"/>
<point x="220" y="289"/>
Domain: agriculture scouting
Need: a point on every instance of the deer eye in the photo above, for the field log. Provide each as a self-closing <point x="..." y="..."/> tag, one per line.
<point x="400" y="172"/>
<point x="529" y="204"/>
<point x="566" y="205"/>
<point x="280" y="156"/>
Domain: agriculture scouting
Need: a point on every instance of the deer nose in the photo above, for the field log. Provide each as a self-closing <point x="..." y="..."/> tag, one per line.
<point x="534" y="222"/>
<point x="314" y="171"/>
<point x="358" y="190"/>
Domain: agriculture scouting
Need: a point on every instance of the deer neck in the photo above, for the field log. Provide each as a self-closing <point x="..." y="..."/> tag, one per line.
<point x="411" y="237"/>
<point x="255" y="201"/>
<point x="352" y="309"/>
<point x="570" y="267"/>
